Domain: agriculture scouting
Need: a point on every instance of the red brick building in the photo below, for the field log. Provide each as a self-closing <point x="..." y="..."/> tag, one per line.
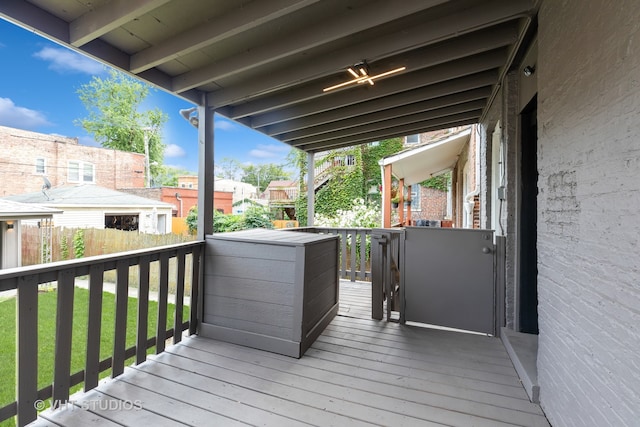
<point x="183" y="199"/>
<point x="26" y="157"/>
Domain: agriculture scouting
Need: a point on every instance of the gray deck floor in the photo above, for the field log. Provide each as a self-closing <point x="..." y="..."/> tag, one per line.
<point x="359" y="372"/>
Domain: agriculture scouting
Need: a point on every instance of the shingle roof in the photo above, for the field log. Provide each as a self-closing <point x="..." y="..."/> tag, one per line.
<point x="85" y="195"/>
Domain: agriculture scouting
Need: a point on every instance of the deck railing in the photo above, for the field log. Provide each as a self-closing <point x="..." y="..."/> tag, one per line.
<point x="26" y="282"/>
<point x="355" y="250"/>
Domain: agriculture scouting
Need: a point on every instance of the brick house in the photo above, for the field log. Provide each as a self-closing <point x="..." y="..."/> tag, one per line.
<point x="28" y="157"/>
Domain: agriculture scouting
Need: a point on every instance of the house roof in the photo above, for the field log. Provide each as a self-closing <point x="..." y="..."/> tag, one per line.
<point x="282" y="184"/>
<point x="420" y="163"/>
<point x="86" y="195"/>
<point x="11" y="210"/>
<point x="266" y="63"/>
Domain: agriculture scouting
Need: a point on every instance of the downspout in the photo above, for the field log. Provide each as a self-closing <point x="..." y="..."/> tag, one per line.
<point x="469" y="203"/>
<point x="178" y="198"/>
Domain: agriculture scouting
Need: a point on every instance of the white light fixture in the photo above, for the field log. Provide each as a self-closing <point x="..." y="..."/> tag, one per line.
<point x="191" y="115"/>
<point x="360" y="73"/>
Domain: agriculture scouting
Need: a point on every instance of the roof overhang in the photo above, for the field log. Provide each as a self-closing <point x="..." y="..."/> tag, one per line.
<point x="13" y="211"/>
<point x="266" y="63"/>
<point x="419" y="164"/>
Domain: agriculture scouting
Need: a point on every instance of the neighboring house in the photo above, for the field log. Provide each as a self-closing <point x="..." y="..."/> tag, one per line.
<point x="183" y="198"/>
<point x="451" y="150"/>
<point x="244" y="195"/>
<point x="29" y="157"/>
<point x="92" y="206"/>
<point x="11" y="216"/>
<point x="188" y="181"/>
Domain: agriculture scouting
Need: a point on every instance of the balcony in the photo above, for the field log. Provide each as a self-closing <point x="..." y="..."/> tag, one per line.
<point x="359" y="371"/>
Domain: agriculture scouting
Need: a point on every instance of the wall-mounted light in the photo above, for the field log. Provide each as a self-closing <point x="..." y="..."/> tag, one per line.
<point x="9" y="225"/>
<point x="529" y="70"/>
<point x="188" y="115"/>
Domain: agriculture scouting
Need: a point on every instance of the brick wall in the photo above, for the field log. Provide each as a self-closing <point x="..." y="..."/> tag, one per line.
<point x="588" y="204"/>
<point x="19" y="150"/>
<point x="433" y="205"/>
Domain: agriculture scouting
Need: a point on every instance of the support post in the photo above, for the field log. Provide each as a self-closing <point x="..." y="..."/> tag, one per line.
<point x="205" y="169"/>
<point x="408" y="221"/>
<point x="386" y="196"/>
<point x="401" y="202"/>
<point x="311" y="190"/>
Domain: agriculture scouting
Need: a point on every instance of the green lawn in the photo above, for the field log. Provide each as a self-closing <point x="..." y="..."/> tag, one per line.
<point x="46" y="336"/>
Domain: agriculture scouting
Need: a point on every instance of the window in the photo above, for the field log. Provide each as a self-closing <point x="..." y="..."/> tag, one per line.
<point x="121" y="222"/>
<point x="415" y="197"/>
<point x="81" y="172"/>
<point x="413" y="139"/>
<point x="351" y="160"/>
<point x="41" y="166"/>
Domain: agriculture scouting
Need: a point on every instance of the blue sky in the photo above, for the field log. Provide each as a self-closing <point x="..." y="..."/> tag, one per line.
<point x="38" y="91"/>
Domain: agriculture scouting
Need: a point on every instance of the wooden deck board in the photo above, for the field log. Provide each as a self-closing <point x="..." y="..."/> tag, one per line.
<point x="359" y="372"/>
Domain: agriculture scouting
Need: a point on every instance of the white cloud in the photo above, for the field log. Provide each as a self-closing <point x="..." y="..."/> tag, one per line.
<point x="270" y="151"/>
<point x="224" y="125"/>
<point x="173" y="150"/>
<point x="65" y="61"/>
<point x="20" y="117"/>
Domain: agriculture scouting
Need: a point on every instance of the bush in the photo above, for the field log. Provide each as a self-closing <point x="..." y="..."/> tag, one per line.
<point x="360" y="215"/>
<point x="254" y="217"/>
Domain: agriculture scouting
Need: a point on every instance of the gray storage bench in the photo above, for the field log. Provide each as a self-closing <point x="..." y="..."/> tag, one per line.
<point x="268" y="289"/>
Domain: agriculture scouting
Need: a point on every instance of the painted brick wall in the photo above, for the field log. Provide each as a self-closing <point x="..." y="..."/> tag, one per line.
<point x="19" y="150"/>
<point x="588" y="212"/>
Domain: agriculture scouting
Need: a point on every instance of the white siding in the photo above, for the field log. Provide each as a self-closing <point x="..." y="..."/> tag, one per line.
<point x="588" y="257"/>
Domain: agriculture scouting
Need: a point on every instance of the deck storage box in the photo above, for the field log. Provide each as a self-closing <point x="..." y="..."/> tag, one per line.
<point x="268" y="289"/>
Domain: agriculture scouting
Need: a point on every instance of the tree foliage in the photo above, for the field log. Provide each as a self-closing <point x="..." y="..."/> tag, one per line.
<point x="438" y="182"/>
<point x="167" y="176"/>
<point x="261" y="175"/>
<point x="115" y="120"/>
<point x="347" y="184"/>
<point x="253" y="217"/>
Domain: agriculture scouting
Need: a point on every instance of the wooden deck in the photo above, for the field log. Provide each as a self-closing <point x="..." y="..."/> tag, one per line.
<point x="359" y="372"/>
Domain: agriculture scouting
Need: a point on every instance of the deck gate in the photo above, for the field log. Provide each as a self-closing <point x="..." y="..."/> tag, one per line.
<point x="449" y="278"/>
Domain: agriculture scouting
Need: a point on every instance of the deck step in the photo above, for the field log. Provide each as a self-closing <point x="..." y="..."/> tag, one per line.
<point x="523" y="351"/>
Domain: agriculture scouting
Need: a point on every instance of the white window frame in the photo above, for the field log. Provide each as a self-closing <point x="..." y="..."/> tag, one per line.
<point x="44" y="166"/>
<point x="409" y="139"/>
<point x="82" y="168"/>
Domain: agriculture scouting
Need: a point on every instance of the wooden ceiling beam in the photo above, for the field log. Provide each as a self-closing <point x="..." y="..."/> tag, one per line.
<point x="108" y="17"/>
<point x="392" y="122"/>
<point x="430" y="56"/>
<point x="456" y="24"/>
<point x="244" y="18"/>
<point x="391" y="86"/>
<point x="383" y="115"/>
<point x="482" y="80"/>
<point x="350" y="21"/>
<point x="439" y="123"/>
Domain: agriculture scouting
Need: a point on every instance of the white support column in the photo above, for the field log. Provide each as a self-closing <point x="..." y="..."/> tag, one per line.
<point x="205" y="169"/>
<point x="311" y="191"/>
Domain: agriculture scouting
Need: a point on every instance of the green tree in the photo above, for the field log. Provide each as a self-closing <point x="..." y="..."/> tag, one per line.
<point x="228" y="168"/>
<point x="167" y="176"/>
<point x="114" y="119"/>
<point x="262" y="175"/>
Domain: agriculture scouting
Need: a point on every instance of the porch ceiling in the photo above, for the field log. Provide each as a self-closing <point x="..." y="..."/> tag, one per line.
<point x="418" y="164"/>
<point x="265" y="63"/>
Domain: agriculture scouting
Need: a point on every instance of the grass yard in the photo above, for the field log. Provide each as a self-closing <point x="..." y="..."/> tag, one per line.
<point x="46" y="336"/>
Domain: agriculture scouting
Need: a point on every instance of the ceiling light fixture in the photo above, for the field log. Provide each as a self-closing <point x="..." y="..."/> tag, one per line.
<point x="360" y="73"/>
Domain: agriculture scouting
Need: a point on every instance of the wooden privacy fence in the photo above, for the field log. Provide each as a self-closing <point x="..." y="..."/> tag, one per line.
<point x="355" y="250"/>
<point x="25" y="281"/>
